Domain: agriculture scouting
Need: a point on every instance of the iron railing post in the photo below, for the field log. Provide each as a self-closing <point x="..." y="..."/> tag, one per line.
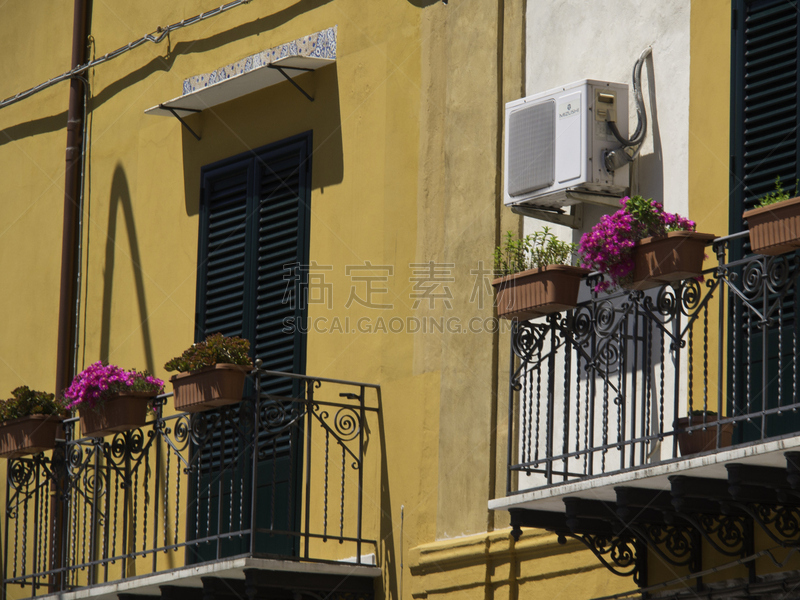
<point x="551" y="400"/>
<point x="676" y="346"/>
<point x="309" y="410"/>
<point x="254" y="472"/>
<point x="511" y="439"/>
<point x="362" y="416"/>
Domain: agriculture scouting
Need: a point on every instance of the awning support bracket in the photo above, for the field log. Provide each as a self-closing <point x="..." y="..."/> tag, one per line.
<point x="177" y="116"/>
<point x="292" y="81"/>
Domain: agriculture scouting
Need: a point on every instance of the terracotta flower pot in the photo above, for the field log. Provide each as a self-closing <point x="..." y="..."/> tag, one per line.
<point x="122" y="412"/>
<point x="699" y="440"/>
<point x="209" y="388"/>
<point x="29" y="435"/>
<point x="677" y="256"/>
<point x="535" y="292"/>
<point x="774" y="229"/>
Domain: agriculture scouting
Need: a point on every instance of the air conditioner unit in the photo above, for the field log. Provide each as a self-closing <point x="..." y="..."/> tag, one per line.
<point x="555" y="142"/>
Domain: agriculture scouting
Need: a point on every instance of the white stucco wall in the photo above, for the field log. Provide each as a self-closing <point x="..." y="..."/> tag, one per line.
<point x="570" y="40"/>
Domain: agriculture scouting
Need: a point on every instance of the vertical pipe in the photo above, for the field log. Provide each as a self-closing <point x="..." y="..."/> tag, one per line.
<point x="72" y="184"/>
<point x="72" y="181"/>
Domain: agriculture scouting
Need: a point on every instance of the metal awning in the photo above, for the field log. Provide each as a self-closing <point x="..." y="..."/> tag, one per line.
<point x="239" y="85"/>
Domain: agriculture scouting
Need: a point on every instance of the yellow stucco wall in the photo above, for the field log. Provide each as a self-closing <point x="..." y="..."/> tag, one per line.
<point x="709" y="148"/>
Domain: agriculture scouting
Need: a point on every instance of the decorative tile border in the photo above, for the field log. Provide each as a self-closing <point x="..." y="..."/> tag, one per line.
<point x="317" y="45"/>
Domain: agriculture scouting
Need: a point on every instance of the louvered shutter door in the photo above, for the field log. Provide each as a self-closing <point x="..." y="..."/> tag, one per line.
<point x="764" y="145"/>
<point x="223" y="252"/>
<point x="254" y="222"/>
<point x="765" y="106"/>
<point x="282" y="184"/>
<point x="281" y="231"/>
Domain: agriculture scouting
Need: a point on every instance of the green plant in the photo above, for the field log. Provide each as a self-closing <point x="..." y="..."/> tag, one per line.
<point x="216" y="349"/>
<point x="531" y="252"/>
<point x="25" y="402"/>
<point x="779" y="195"/>
<point x="700" y="413"/>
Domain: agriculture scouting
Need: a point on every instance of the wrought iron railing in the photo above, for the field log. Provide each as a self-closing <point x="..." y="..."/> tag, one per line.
<point x="278" y="475"/>
<point x="599" y="389"/>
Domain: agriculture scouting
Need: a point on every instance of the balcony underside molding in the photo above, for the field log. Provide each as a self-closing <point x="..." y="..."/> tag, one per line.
<point x="678" y="523"/>
<point x="239" y="578"/>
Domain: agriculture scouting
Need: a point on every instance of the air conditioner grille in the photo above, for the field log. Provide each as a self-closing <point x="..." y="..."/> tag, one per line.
<point x="531" y="148"/>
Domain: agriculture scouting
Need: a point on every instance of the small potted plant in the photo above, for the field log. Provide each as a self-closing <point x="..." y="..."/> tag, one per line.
<point x="110" y="399"/>
<point x="535" y="276"/>
<point x="640" y="246"/>
<point x="703" y="438"/>
<point x="775" y="222"/>
<point x="29" y="422"/>
<point x="210" y="373"/>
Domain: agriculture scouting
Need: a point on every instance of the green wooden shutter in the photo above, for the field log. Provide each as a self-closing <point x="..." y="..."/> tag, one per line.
<point x="254" y="220"/>
<point x="764" y="145"/>
<point x="764" y="101"/>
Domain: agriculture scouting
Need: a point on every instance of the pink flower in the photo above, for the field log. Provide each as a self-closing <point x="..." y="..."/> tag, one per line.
<point x="608" y="248"/>
<point x="98" y="381"/>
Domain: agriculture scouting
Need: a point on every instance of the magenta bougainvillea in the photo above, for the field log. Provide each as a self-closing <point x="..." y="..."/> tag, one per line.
<point x="98" y="381"/>
<point x="608" y="247"/>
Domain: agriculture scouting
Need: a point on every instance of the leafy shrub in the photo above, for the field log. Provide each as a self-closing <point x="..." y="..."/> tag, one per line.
<point x="25" y="402"/>
<point x="216" y="349"/>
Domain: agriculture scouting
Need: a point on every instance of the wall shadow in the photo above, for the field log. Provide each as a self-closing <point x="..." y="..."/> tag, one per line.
<point x="121" y="197"/>
<point x="651" y="166"/>
<point x="266" y="116"/>
<point x="165" y="63"/>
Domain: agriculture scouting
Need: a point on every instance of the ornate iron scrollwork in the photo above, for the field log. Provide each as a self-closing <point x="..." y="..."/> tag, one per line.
<point x="622" y="555"/>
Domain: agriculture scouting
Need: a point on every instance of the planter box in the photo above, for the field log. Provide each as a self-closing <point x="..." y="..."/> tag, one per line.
<point x="774" y="229"/>
<point x="702" y="441"/>
<point x="29" y="435"/>
<point x="677" y="256"/>
<point x="209" y="388"/>
<point x="535" y="292"/>
<point x="118" y="413"/>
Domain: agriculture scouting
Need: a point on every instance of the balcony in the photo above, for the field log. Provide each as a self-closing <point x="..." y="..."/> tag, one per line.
<point x="596" y="395"/>
<point x="264" y="497"/>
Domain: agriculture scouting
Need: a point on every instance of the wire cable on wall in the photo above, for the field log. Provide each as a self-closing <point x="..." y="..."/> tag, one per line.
<point x="160" y="34"/>
<point x="619" y="157"/>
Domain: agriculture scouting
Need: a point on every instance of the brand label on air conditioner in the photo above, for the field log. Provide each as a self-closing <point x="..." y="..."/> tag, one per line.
<point x="569" y="109"/>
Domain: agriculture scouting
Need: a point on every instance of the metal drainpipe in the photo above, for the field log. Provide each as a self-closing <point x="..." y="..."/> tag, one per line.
<point x="72" y="190"/>
<point x="67" y="317"/>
